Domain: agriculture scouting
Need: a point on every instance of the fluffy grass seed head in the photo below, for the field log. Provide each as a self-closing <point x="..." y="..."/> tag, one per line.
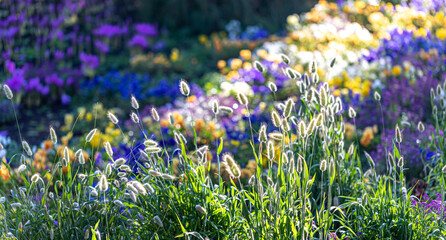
<point x="119" y="162"/>
<point x="331" y="166"/>
<point x="351" y="112"/>
<point x="258" y="66"/>
<point x="270" y="150"/>
<point x="155" y="114"/>
<point x="80" y="156"/>
<point x="275" y="117"/>
<point x="285" y="59"/>
<point x="27" y="148"/>
<point x="134" y="117"/>
<point x="300" y="160"/>
<point x="398" y="135"/>
<point x="226" y="109"/>
<point x="323" y="165"/>
<point x="377" y="96"/>
<point x="134" y="103"/>
<point x="66" y="153"/>
<point x="231" y="166"/>
<point x="272" y="87"/>
<point x="90" y="135"/>
<point x="311" y="127"/>
<point x="262" y="133"/>
<point x="302" y="129"/>
<point x="158" y="221"/>
<point x="420" y="126"/>
<point x="53" y="135"/>
<point x="35" y="178"/>
<point x="184" y="88"/>
<point x="201" y="209"/>
<point x="288" y="108"/>
<point x="112" y="118"/>
<point x="215" y="106"/>
<point x="103" y="183"/>
<point x="404" y="193"/>
<point x="7" y="91"/>
<point x="332" y="62"/>
<point x="150" y="143"/>
<point x="285" y="159"/>
<point x="242" y="99"/>
<point x="323" y="97"/>
<point x="21" y="168"/>
<point x="401" y="162"/>
<point x="108" y="149"/>
<point x="108" y="169"/>
<point x="313" y="67"/>
<point x="285" y="125"/>
<point x="171" y="119"/>
<point x="167" y="176"/>
<point x="276" y="136"/>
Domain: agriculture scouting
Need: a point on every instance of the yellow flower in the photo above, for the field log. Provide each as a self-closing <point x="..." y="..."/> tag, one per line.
<point x="202" y="38"/>
<point x="262" y="53"/>
<point x="236" y="63"/>
<point x="421" y="32"/>
<point x="235" y="143"/>
<point x="221" y="64"/>
<point x="4" y="172"/>
<point x="396" y="70"/>
<point x="245" y="54"/>
<point x="441" y="34"/>
<point x="247" y="65"/>
<point x="89" y="117"/>
<point x="174" y="55"/>
<point x="68" y="119"/>
<point x="337" y="93"/>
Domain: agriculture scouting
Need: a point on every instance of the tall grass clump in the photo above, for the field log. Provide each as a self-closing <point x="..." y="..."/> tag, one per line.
<point x="305" y="186"/>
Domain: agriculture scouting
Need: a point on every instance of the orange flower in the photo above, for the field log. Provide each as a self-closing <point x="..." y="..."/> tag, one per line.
<point x="245" y="54"/>
<point x="4" y="172"/>
<point x="367" y="136"/>
<point x="47" y="145"/>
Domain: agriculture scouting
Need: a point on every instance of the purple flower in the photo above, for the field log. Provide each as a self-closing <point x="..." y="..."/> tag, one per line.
<point x="65" y="99"/>
<point x="89" y="61"/>
<point x="10" y="66"/>
<point x="147" y="29"/>
<point x="138" y="41"/>
<point x="102" y="47"/>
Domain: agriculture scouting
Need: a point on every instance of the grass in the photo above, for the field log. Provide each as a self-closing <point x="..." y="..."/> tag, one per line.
<point x="311" y="189"/>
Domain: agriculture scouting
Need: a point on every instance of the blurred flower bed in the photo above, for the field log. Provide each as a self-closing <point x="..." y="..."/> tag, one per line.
<point x="81" y="57"/>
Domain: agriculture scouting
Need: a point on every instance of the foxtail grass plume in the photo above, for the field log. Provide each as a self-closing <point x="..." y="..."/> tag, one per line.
<point x="439" y="90"/>
<point x="155" y="115"/>
<point x="391" y="159"/>
<point x="275" y="118"/>
<point x="258" y="66"/>
<point x="320" y="120"/>
<point x="35" y="178"/>
<point x="285" y="125"/>
<point x="315" y="77"/>
<point x="80" y="156"/>
<point x="285" y="59"/>
<point x="27" y="148"/>
<point x="307" y="80"/>
<point x="242" y="99"/>
<point x="331" y="166"/>
<point x="184" y="88"/>
<point x="311" y="127"/>
<point x="90" y="135"/>
<point x="300" y="86"/>
<point x="294" y="120"/>
<point x="66" y="153"/>
<point x="108" y="149"/>
<point x="398" y="135"/>
<point x="134" y="103"/>
<point x="103" y="183"/>
<point x="285" y="159"/>
<point x="302" y="129"/>
<point x="112" y="118"/>
<point x="262" y="133"/>
<point x="171" y="119"/>
<point x="332" y="62"/>
<point x="401" y="162"/>
<point x="150" y="143"/>
<point x="432" y="94"/>
<point x="404" y="193"/>
<point x="270" y="150"/>
<point x="291" y="73"/>
<point x="21" y="168"/>
<point x="276" y="136"/>
<point x="288" y="108"/>
<point x="323" y="165"/>
<point x="215" y="106"/>
<point x="351" y="112"/>
<point x="225" y="109"/>
<point x="155" y="173"/>
<point x="313" y="66"/>
<point x="119" y="162"/>
<point x="7" y="92"/>
<point x="158" y="221"/>
<point x="420" y="126"/>
<point x="323" y="97"/>
<point x="351" y="149"/>
<point x="377" y="96"/>
<point x="53" y="135"/>
<point x="201" y="209"/>
<point x="300" y="160"/>
<point x="434" y="111"/>
<point x="231" y="166"/>
<point x="272" y="87"/>
<point x="134" y="117"/>
<point x="108" y="169"/>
